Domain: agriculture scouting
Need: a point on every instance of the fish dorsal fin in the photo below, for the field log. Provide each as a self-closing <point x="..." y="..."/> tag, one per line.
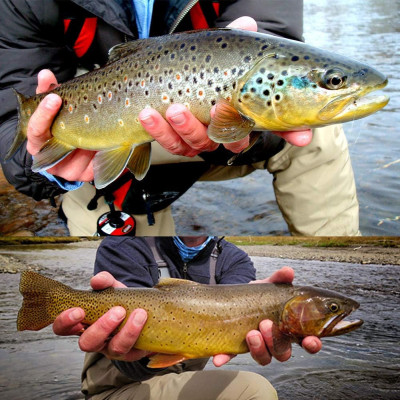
<point x="161" y="360"/>
<point x="139" y="161"/>
<point x="228" y="124"/>
<point x="125" y="49"/>
<point x="166" y="283"/>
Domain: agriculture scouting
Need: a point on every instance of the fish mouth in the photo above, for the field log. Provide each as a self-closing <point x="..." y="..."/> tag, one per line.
<point x="338" y="325"/>
<point x="356" y="106"/>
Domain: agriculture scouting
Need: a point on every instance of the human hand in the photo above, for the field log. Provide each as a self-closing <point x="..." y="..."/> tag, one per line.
<point x="96" y="338"/>
<point x="78" y="165"/>
<point x="268" y="341"/>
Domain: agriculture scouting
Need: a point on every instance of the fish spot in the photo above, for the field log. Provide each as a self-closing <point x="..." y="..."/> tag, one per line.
<point x="70" y="109"/>
<point x="62" y="125"/>
<point x="277" y="97"/>
<point x="219" y="39"/>
<point x="99" y="98"/>
<point x="127" y="102"/>
<point x="280" y="82"/>
<point x="266" y="92"/>
<point x="284" y="73"/>
<point x="120" y="122"/>
<point x="259" y="81"/>
<point x="109" y="96"/>
<point x="165" y="98"/>
<point x="142" y="83"/>
<point x="200" y="94"/>
<point x="178" y="77"/>
<point x="247" y="59"/>
<point x="85" y="98"/>
<point x="208" y="58"/>
<point x="192" y="48"/>
<point x="270" y="76"/>
<point x="86" y="118"/>
<point x="224" y="45"/>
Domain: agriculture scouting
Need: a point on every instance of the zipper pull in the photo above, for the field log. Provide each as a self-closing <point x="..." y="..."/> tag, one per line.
<point x="184" y="270"/>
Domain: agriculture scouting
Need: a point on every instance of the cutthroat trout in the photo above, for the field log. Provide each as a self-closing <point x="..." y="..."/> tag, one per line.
<point x="256" y="81"/>
<point x="190" y="320"/>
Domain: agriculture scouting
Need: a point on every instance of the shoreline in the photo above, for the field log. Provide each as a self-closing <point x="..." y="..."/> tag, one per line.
<point x="355" y="250"/>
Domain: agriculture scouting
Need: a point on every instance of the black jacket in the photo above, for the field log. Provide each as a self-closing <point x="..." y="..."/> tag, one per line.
<point x="32" y="38"/>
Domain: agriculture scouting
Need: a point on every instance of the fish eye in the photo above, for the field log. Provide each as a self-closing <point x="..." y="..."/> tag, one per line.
<point x="333" y="307"/>
<point x="334" y="79"/>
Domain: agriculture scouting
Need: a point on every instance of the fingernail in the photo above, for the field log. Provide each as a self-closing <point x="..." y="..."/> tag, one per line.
<point x="139" y="318"/>
<point x="178" y="119"/>
<point x="76" y="315"/>
<point x="255" y="340"/>
<point x="147" y="120"/>
<point x="117" y="314"/>
<point x="51" y="102"/>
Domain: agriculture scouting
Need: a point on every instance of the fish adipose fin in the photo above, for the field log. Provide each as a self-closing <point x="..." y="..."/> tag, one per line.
<point x="51" y="153"/>
<point x="139" y="161"/>
<point x="125" y="49"/>
<point x="35" y="289"/>
<point x="109" y="164"/>
<point x="160" y="360"/>
<point x="228" y="124"/>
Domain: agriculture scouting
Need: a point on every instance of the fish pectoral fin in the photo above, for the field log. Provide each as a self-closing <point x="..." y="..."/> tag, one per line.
<point x="139" y="161"/>
<point x="170" y="282"/>
<point x="161" y="360"/>
<point x="228" y="124"/>
<point x="51" y="153"/>
<point x="109" y="164"/>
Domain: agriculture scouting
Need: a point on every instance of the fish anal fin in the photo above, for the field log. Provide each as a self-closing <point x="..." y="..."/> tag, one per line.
<point x="161" y="360"/>
<point x="228" y="124"/>
<point x="109" y="164"/>
<point x="139" y="161"/>
<point x="51" y="153"/>
<point x="170" y="282"/>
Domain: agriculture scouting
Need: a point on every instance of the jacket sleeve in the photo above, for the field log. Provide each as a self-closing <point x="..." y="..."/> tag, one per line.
<point x="277" y="17"/>
<point x="31" y="39"/>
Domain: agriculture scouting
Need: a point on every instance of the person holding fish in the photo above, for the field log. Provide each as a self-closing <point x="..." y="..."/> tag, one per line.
<point x="312" y="169"/>
<point x="115" y="369"/>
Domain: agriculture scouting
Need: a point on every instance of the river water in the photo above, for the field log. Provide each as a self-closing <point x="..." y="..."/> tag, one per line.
<point x="362" y="364"/>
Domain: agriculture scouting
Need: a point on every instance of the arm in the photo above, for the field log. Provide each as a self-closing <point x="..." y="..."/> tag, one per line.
<point x="21" y="39"/>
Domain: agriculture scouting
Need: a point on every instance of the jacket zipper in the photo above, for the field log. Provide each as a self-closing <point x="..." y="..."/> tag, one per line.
<point x="184" y="270"/>
<point x="182" y="15"/>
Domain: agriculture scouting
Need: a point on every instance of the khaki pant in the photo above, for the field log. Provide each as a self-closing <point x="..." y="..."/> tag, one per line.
<point x="199" y="385"/>
<point x="314" y="188"/>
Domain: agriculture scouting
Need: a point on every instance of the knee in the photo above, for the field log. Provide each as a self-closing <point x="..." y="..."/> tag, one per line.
<point x="257" y="388"/>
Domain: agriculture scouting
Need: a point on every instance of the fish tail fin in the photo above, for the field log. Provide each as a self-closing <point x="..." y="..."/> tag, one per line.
<point x="38" y="309"/>
<point x="23" y="118"/>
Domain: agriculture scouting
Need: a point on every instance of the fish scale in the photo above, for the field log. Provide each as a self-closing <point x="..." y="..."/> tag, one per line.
<point x="256" y="81"/>
<point x="189" y="320"/>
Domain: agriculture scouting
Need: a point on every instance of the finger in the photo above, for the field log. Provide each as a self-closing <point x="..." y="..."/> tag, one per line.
<point x="103" y="280"/>
<point x="257" y="347"/>
<point x="77" y="166"/>
<point x="95" y="338"/>
<point x="246" y="23"/>
<point x="162" y="131"/>
<point x="38" y="131"/>
<point x="189" y="128"/>
<point x="278" y="345"/>
<point x="283" y="275"/>
<point x="46" y="81"/>
<point x="297" y="138"/>
<point x="237" y="147"/>
<point x="311" y="344"/>
<point x="69" y="322"/>
<point x="121" y="344"/>
<point x="221" y="359"/>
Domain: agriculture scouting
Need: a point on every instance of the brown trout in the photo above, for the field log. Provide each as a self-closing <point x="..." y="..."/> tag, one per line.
<point x="190" y="320"/>
<point x="257" y="81"/>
